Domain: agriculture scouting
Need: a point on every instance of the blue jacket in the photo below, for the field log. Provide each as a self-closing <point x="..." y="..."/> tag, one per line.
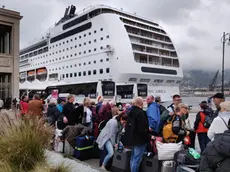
<point x="153" y="113"/>
<point x="60" y="107"/>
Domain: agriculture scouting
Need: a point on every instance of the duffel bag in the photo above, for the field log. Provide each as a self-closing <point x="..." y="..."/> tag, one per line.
<point x="166" y="151"/>
<point x="183" y="157"/>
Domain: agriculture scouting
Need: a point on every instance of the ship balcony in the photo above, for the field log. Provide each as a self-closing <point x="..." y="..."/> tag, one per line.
<point x="155" y="60"/>
<point x="149" y="37"/>
<point x="153" y="51"/>
<point x="145" y="29"/>
<point x="156" y="46"/>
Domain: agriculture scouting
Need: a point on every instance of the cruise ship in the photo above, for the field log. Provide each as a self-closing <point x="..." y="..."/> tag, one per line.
<point x="102" y="43"/>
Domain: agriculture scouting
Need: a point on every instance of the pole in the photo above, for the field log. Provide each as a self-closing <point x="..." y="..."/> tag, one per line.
<point x="222" y="86"/>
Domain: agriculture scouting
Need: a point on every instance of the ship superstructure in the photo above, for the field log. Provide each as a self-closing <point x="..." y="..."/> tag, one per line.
<point x="103" y="43"/>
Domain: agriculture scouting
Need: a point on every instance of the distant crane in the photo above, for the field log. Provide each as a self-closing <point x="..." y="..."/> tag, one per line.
<point x="213" y="83"/>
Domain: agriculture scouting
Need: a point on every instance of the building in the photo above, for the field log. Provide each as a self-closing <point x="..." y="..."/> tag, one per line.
<point x="9" y="53"/>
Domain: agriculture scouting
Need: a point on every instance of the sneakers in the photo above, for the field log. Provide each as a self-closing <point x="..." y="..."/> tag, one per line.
<point x="103" y="168"/>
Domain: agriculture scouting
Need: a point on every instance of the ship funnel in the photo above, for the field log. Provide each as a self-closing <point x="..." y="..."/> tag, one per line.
<point x="72" y="11"/>
<point x="66" y="12"/>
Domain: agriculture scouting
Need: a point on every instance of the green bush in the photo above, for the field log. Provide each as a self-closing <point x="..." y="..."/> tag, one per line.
<point x="59" y="168"/>
<point x="23" y="142"/>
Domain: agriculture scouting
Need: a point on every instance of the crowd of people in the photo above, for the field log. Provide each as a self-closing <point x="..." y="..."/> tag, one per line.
<point x="133" y="127"/>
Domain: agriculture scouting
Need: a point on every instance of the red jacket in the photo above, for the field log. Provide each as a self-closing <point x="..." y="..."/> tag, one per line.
<point x="104" y="113"/>
<point x="201" y="119"/>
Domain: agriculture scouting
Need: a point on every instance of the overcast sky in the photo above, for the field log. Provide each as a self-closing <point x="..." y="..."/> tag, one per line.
<point x="195" y="26"/>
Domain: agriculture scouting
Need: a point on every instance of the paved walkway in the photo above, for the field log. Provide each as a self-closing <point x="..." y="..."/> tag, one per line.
<point x="75" y="165"/>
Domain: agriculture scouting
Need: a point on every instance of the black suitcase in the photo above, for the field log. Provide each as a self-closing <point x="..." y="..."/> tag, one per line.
<point x="150" y="164"/>
<point x="181" y="168"/>
<point x="121" y="161"/>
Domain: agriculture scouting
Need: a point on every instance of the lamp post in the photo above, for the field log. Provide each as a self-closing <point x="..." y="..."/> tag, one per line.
<point x="224" y="39"/>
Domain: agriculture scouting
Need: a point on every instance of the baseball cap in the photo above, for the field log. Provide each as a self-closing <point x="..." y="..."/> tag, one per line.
<point x="219" y="96"/>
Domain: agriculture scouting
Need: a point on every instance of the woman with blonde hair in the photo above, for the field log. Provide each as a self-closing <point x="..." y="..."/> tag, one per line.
<point x="87" y="113"/>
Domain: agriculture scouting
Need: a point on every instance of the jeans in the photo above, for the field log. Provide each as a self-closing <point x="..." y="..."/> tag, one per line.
<point x="203" y="140"/>
<point x="109" y="148"/>
<point x="136" y="157"/>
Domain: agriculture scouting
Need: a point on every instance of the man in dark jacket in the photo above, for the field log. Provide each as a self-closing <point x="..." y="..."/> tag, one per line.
<point x="137" y="133"/>
<point x="216" y="157"/>
<point x="68" y="110"/>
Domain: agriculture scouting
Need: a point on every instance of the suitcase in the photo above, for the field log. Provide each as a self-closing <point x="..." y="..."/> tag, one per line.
<point x="168" y="166"/>
<point x="121" y="161"/>
<point x="84" y="147"/>
<point x="96" y="151"/>
<point x="181" y="168"/>
<point x="150" y="164"/>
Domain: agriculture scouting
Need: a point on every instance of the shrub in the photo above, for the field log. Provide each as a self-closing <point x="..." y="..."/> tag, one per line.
<point x="23" y="142"/>
<point x="59" y="168"/>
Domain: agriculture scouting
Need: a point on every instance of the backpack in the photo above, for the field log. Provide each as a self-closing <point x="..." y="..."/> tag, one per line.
<point x="208" y="120"/>
<point x="168" y="134"/>
<point x="183" y="157"/>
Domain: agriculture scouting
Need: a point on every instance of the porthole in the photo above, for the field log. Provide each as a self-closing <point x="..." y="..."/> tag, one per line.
<point x="89" y="33"/>
<point x="107" y="36"/>
<point x="101" y="38"/>
<point x="101" y="29"/>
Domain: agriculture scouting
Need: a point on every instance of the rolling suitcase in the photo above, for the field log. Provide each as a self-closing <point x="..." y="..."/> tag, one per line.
<point x="168" y="166"/>
<point x="121" y="161"/>
<point x="150" y="164"/>
<point x="181" y="168"/>
<point x="84" y="147"/>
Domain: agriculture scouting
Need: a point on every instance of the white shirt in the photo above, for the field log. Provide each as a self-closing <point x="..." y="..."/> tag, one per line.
<point x="1" y="103"/>
<point x="88" y="115"/>
<point x="218" y="126"/>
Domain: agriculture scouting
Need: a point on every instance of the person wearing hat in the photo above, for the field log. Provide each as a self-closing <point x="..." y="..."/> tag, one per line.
<point x="199" y="125"/>
<point x="220" y="123"/>
<point x="218" y="98"/>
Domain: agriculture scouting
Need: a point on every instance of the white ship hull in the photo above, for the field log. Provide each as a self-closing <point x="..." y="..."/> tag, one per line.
<point x="104" y="47"/>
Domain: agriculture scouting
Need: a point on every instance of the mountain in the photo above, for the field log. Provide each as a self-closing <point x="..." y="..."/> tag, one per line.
<point x="202" y="78"/>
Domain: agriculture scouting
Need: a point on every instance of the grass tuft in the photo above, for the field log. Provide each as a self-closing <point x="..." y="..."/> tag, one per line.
<point x="23" y="142"/>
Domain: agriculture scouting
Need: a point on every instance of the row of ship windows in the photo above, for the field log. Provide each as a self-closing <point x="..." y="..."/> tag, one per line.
<point x="67" y="49"/>
<point x="43" y="50"/>
<point x="71" y="40"/>
<point x="84" y="73"/>
<point x="155" y="81"/>
<point x="75" y="54"/>
<point x="75" y="65"/>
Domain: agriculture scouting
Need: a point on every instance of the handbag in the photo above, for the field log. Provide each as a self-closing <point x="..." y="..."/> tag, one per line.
<point x="152" y="145"/>
<point x="166" y="151"/>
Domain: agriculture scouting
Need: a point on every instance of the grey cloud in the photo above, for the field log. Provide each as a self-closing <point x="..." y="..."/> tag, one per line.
<point x="196" y="32"/>
<point x="185" y="21"/>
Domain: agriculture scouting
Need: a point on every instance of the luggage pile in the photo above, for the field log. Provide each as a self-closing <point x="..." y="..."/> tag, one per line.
<point x="160" y="157"/>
